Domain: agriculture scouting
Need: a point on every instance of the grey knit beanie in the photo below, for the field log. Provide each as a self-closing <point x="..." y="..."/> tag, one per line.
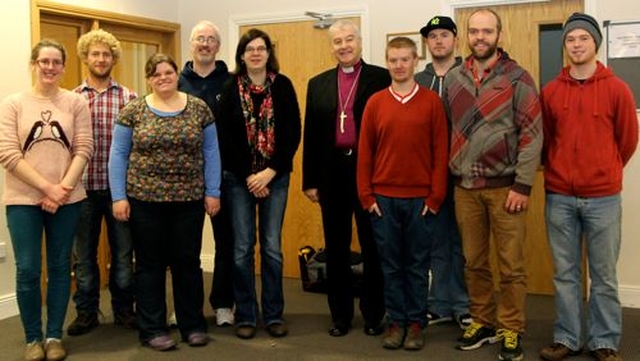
<point x="586" y="22"/>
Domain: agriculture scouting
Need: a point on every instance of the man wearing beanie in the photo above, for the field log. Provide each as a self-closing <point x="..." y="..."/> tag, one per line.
<point x="448" y="299"/>
<point x="590" y="133"/>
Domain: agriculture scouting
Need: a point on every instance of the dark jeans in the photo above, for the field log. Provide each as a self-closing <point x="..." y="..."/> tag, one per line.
<point x="95" y="207"/>
<point x="168" y="234"/>
<point x="25" y="227"/>
<point x="448" y="292"/>
<point x="339" y="204"/>
<point x="403" y="236"/>
<point x="222" y="285"/>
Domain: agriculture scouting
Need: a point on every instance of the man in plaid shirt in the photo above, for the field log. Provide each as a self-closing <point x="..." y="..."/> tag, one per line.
<point x="100" y="50"/>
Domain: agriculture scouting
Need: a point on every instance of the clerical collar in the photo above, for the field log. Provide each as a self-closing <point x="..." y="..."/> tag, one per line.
<point x="352" y="68"/>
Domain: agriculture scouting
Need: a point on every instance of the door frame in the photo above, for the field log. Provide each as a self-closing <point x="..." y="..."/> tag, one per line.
<point x="170" y="30"/>
<point x="236" y="21"/>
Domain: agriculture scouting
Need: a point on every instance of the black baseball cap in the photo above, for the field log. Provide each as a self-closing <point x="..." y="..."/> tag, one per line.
<point x="439" y="22"/>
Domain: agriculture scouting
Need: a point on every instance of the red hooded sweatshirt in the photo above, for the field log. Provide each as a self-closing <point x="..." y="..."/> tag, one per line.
<point x="590" y="133"/>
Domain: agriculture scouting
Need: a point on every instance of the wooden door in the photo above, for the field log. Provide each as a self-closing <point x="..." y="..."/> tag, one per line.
<point x="303" y="51"/>
<point x="520" y="29"/>
<point x="139" y="38"/>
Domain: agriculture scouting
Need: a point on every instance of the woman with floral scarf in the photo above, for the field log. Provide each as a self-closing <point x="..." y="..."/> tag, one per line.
<point x="259" y="124"/>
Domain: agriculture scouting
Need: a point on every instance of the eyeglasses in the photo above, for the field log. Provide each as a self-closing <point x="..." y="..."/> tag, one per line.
<point x="45" y="63"/>
<point x="203" y="40"/>
<point x="259" y="49"/>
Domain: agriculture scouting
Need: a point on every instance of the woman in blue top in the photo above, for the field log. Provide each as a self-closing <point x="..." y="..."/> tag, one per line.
<point x="164" y="168"/>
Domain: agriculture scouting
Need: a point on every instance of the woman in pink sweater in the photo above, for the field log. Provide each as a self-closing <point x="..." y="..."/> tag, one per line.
<point x="45" y="143"/>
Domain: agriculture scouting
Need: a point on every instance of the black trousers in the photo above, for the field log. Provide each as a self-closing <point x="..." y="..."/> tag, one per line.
<point x="168" y="234"/>
<point x="221" y="295"/>
<point x="339" y="204"/>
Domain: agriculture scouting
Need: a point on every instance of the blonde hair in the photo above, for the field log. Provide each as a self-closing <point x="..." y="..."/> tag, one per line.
<point x="99" y="36"/>
<point x="402" y="42"/>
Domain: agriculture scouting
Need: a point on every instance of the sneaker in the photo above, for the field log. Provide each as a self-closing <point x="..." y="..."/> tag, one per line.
<point x="463" y="320"/>
<point x="224" y="317"/>
<point x="511" y="349"/>
<point x="197" y="339"/>
<point x="34" y="351"/>
<point x="435" y="318"/>
<point x="85" y="322"/>
<point x="415" y="337"/>
<point x="606" y="354"/>
<point x="393" y="338"/>
<point x="126" y="319"/>
<point x="173" y="320"/>
<point x="53" y="350"/>
<point x="557" y="352"/>
<point x="475" y="336"/>
<point x="161" y="343"/>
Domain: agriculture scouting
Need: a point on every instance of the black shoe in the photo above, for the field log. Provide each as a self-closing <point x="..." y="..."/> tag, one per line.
<point x="373" y="329"/>
<point x="127" y="319"/>
<point x="85" y="322"/>
<point x="475" y="336"/>
<point x="511" y="349"/>
<point x="338" y="329"/>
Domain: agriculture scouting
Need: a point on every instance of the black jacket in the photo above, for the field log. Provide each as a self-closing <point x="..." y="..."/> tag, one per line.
<point x="232" y="132"/>
<point x="207" y="88"/>
<point x="320" y="119"/>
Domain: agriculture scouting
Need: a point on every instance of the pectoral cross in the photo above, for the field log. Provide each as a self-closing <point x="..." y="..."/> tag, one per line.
<point x="343" y="116"/>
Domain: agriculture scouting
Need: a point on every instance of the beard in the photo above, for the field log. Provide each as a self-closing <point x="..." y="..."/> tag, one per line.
<point x="487" y="53"/>
<point x="100" y="74"/>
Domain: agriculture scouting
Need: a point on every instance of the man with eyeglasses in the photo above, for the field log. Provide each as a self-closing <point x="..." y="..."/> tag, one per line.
<point x="204" y="76"/>
<point x="100" y="51"/>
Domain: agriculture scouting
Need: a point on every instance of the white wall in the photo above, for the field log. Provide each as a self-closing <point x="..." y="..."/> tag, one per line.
<point x="15" y="25"/>
<point x="380" y="18"/>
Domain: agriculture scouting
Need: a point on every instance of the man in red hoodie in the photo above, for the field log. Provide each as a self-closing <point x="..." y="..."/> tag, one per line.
<point x="590" y="133"/>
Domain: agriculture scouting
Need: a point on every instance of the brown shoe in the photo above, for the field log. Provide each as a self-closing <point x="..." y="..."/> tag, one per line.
<point x="246" y="331"/>
<point x="54" y="350"/>
<point x="34" y="351"/>
<point x="415" y="337"/>
<point x="557" y="352"/>
<point x="606" y="354"/>
<point x="277" y="329"/>
<point x="393" y="338"/>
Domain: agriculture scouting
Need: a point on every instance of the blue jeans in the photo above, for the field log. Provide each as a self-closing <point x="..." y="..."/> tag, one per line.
<point x="448" y="292"/>
<point x="403" y="237"/>
<point x="242" y="206"/>
<point x="87" y="297"/>
<point x="25" y="227"/>
<point x="168" y="235"/>
<point x="598" y="221"/>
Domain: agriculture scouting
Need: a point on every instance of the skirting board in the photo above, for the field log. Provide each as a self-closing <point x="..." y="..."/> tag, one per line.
<point x="8" y="306"/>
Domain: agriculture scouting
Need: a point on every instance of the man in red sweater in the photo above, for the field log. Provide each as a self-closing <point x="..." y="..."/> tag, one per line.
<point x="402" y="181"/>
<point x="590" y="133"/>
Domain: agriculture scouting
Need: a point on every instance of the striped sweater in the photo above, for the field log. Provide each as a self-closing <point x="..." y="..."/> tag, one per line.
<point x="496" y="135"/>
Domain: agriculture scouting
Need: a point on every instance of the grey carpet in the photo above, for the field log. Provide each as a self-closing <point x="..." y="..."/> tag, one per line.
<point x="308" y="319"/>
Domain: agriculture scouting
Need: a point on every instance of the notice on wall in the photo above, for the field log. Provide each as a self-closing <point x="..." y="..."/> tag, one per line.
<point x="624" y="41"/>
